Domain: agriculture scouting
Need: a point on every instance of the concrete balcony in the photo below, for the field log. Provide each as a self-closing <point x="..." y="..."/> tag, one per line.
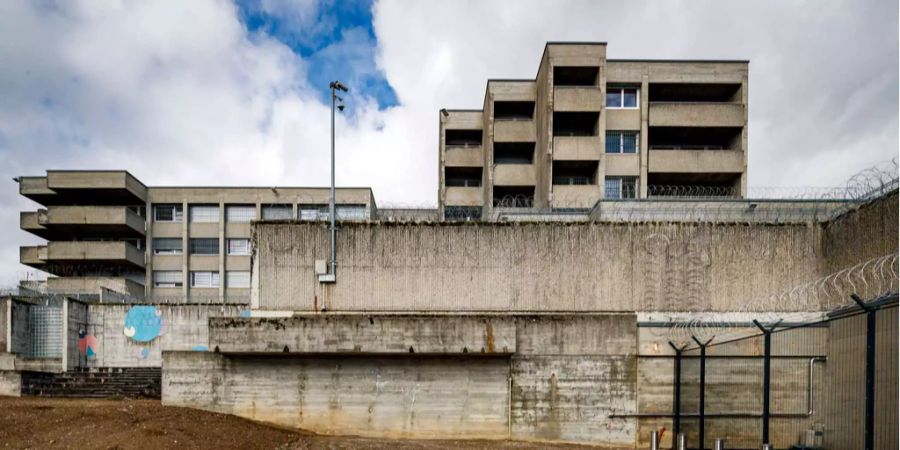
<point x="34" y="256"/>
<point x="95" y="187"/>
<point x="74" y="256"/>
<point x="575" y="196"/>
<point x="696" y="161"/>
<point x="578" y="98"/>
<point x="514" y="131"/>
<point x="463" y="157"/>
<point x="464" y="196"/>
<point x="94" y="285"/>
<point x="514" y="175"/>
<point x="685" y="114"/>
<point x="68" y="222"/>
<point x="577" y="148"/>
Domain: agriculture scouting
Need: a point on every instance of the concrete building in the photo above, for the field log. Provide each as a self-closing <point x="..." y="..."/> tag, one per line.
<point x="588" y="128"/>
<point x="110" y="234"/>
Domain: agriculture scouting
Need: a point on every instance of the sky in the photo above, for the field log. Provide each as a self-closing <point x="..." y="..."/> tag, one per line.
<point x="214" y="92"/>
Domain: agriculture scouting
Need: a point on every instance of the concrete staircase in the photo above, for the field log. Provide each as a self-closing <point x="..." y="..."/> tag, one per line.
<point x="95" y="383"/>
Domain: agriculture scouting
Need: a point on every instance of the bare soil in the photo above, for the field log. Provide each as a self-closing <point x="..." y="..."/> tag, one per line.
<point x="32" y="422"/>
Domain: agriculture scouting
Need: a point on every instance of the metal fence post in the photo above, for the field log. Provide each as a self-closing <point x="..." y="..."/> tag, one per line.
<point x="654" y="440"/>
<point x="702" y="431"/>
<point x="676" y="425"/>
<point x="767" y="378"/>
<point x="870" y="370"/>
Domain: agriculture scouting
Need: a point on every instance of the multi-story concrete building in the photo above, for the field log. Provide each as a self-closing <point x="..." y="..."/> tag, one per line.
<point x="588" y="128"/>
<point x="109" y="233"/>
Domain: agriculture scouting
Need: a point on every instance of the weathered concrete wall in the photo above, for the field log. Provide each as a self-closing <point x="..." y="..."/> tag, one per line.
<point x="20" y="328"/>
<point x="10" y="383"/>
<point x="76" y="321"/>
<point x="184" y="327"/>
<point x="5" y="305"/>
<point x="567" y="376"/>
<point x="533" y="266"/>
<point x="868" y="232"/>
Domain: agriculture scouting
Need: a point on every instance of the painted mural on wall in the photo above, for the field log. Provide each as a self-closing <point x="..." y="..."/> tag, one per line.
<point x="87" y="344"/>
<point x="143" y="323"/>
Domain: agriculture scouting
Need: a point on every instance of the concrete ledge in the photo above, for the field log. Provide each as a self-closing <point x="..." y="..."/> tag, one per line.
<point x="364" y="334"/>
<point x="10" y="384"/>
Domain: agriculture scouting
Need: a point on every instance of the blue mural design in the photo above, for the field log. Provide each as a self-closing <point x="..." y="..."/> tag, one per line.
<point x="143" y="323"/>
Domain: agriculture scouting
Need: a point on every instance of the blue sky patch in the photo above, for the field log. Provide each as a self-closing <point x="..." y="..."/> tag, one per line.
<point x="335" y="38"/>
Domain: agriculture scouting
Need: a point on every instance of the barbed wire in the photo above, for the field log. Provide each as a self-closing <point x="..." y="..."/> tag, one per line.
<point x="870" y="279"/>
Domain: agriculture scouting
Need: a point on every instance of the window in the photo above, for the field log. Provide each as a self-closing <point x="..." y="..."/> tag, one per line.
<point x="575" y="123"/>
<point x="204" y="279"/>
<point x="621" y="142"/>
<point x="466" y="213"/>
<point x="462" y="138"/>
<point x="239" y="246"/>
<point x="167" y="213"/>
<point x="204" y="213"/>
<point x="167" y="278"/>
<point x="462" y="176"/>
<point x="513" y="110"/>
<point x="575" y="173"/>
<point x="621" y="97"/>
<point x="351" y="212"/>
<point x="204" y="246"/>
<point x="237" y="279"/>
<point x="277" y="212"/>
<point x="313" y="212"/>
<point x="240" y="213"/>
<point x="167" y="246"/>
<point x="575" y="76"/>
<point x="513" y="153"/>
<point x="620" y="187"/>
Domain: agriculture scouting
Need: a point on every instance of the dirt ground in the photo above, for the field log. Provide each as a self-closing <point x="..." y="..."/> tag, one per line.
<point x="31" y="422"/>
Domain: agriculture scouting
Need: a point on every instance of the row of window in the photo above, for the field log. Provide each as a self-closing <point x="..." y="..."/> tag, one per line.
<point x="247" y="213"/>
<point x="201" y="279"/>
<point x="200" y="246"/>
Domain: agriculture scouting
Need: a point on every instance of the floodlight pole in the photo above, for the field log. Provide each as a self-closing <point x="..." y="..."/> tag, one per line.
<point x="335" y="86"/>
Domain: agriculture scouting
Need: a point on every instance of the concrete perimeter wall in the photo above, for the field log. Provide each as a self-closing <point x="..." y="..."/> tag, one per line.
<point x="528" y="267"/>
<point x="555" y="378"/>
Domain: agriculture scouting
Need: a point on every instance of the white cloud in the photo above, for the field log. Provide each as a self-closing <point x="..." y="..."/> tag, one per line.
<point x="179" y="92"/>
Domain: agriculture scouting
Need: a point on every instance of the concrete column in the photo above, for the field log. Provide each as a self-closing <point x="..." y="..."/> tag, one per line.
<point x="186" y="249"/>
<point x="148" y="250"/>
<point x="601" y="130"/>
<point x="645" y="131"/>
<point x="222" y="251"/>
<point x="745" y="133"/>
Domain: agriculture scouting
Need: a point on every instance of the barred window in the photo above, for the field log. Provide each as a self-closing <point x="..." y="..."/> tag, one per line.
<point x="237" y="279"/>
<point x="167" y="213"/>
<point x="204" y="246"/>
<point x="621" y="142"/>
<point x="276" y="212"/>
<point x="313" y="212"/>
<point x="167" y="278"/>
<point x="204" y="279"/>
<point x="239" y="246"/>
<point x="240" y="213"/>
<point x="351" y="212"/>
<point x="204" y="213"/>
<point x="620" y="187"/>
<point x="167" y="246"/>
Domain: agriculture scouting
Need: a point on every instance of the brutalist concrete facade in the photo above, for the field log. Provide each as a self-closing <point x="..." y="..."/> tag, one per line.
<point x="588" y="128"/>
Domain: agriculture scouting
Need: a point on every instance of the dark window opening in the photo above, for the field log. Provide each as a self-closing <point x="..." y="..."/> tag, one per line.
<point x="466" y="213"/>
<point x="694" y="138"/>
<point x="462" y="138"/>
<point x="513" y="110"/>
<point x="575" y="123"/>
<point x="462" y="176"/>
<point x="574" y="172"/>
<point x="575" y="76"/>
<point x="695" y="92"/>
<point x="513" y="152"/>
<point x="513" y="196"/>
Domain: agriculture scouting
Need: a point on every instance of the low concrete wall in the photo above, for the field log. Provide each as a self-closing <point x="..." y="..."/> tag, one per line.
<point x="20" y="328"/>
<point x="5" y="305"/>
<point x="10" y="383"/>
<point x="562" y="380"/>
<point x="183" y="327"/>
